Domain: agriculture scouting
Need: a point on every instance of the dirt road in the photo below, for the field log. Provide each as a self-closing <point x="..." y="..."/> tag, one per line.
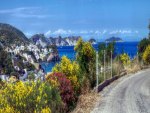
<point x="129" y="94"/>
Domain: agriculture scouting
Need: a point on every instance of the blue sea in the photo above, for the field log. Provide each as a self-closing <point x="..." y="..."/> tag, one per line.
<point x="128" y="47"/>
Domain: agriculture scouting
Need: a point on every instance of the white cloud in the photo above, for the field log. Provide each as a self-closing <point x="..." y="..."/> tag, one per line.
<point x="104" y="31"/>
<point x="63" y="32"/>
<point x="25" y="12"/>
<point x="100" y="32"/>
<point x="113" y="32"/>
<point x="97" y="32"/>
<point x="28" y="34"/>
<point x="90" y="32"/>
<point x="126" y="32"/>
<point x="59" y="32"/>
<point x="84" y="32"/>
<point x="122" y="32"/>
<point x="70" y="32"/>
<point x="19" y="10"/>
<point x="30" y="15"/>
<point x="48" y="33"/>
<point x="136" y="31"/>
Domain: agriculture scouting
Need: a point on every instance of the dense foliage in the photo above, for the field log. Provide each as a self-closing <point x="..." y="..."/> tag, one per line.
<point x="146" y="55"/>
<point x="65" y="88"/>
<point x="85" y="56"/>
<point x="70" y="69"/>
<point x="29" y="97"/>
<point x="125" y="59"/>
<point x="6" y="65"/>
<point x="143" y="44"/>
<point x="19" y="62"/>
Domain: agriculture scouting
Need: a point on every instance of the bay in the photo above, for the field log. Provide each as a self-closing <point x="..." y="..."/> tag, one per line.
<point x="120" y="47"/>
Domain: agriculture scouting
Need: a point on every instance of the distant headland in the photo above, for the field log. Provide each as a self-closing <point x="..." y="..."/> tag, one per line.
<point x="114" y="39"/>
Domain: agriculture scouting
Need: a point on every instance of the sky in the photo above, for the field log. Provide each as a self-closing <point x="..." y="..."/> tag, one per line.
<point x="99" y="19"/>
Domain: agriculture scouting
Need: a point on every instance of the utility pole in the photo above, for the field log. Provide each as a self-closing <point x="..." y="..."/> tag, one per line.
<point x="111" y="64"/>
<point x="97" y="70"/>
<point x="104" y="66"/>
<point x="137" y="57"/>
<point x="149" y="29"/>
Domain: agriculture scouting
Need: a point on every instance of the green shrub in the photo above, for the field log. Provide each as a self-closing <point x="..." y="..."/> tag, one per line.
<point x="125" y="59"/>
<point x="142" y="46"/>
<point x="6" y="62"/>
<point x="146" y="55"/>
<point x="22" y="65"/>
<point x="86" y="58"/>
<point x="65" y="89"/>
<point x="29" y="67"/>
<point x="71" y="70"/>
<point x="16" y="74"/>
<point x="31" y="76"/>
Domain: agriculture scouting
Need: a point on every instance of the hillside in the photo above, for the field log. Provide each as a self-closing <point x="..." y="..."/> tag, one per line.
<point x="39" y="39"/>
<point x="11" y="35"/>
<point x="92" y="41"/>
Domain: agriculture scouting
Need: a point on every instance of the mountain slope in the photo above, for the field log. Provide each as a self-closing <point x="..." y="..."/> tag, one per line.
<point x="92" y="41"/>
<point x="11" y="35"/>
<point x="39" y="39"/>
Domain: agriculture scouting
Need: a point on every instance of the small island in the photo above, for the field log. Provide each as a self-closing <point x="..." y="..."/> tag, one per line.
<point x="92" y="41"/>
<point x="114" y="39"/>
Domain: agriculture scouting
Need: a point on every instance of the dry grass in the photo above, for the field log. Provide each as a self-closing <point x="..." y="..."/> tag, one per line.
<point x="117" y="68"/>
<point x="133" y="69"/>
<point x="86" y="102"/>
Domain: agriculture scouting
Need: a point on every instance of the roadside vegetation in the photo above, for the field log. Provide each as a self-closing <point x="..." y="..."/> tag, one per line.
<point x="70" y="84"/>
<point x="121" y="64"/>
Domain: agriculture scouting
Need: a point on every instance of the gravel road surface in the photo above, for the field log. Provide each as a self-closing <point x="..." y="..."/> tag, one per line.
<point x="129" y="94"/>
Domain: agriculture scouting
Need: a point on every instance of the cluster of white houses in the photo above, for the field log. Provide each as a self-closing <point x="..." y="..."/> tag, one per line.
<point x="24" y="51"/>
<point x="39" y="53"/>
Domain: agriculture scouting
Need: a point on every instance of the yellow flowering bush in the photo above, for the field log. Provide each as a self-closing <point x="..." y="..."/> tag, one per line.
<point x="46" y="110"/>
<point x="88" y="50"/>
<point x="29" y="97"/>
<point x="125" y="59"/>
<point x="146" y="55"/>
<point x="8" y="109"/>
<point x="70" y="69"/>
<point x="53" y="82"/>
